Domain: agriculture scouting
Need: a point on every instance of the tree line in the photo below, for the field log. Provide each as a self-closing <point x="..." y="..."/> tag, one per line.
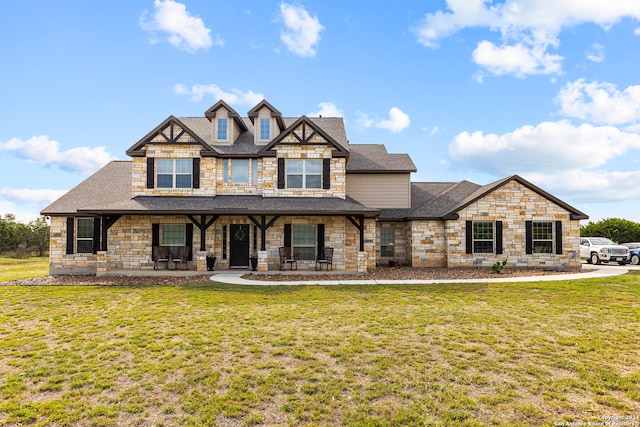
<point x="23" y="240"/>
<point x="616" y="229"/>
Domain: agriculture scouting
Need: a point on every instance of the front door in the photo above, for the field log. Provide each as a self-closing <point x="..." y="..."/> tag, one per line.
<point x="239" y="251"/>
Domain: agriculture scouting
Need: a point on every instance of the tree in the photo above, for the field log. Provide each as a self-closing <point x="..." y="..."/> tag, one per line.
<point x="616" y="229"/>
<point x="32" y="237"/>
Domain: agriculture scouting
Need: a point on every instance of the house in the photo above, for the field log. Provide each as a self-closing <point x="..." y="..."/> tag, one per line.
<point x="233" y="186"/>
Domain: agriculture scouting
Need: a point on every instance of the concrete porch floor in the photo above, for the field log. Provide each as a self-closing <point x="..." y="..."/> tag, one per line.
<point x="231" y="271"/>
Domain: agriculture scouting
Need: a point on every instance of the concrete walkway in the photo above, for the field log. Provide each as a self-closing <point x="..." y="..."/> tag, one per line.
<point x="588" y="272"/>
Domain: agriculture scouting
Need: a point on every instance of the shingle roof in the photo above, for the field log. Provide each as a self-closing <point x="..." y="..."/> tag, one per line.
<point x="374" y="158"/>
<point x="110" y="184"/>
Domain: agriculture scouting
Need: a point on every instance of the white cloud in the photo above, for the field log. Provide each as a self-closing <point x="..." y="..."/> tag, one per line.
<point x="600" y="102"/>
<point x="327" y="109"/>
<point x="517" y="59"/>
<point x="302" y="31"/>
<point x="528" y="29"/>
<point x="397" y="122"/>
<point x="596" y="54"/>
<point x="184" y="31"/>
<point x="234" y="96"/>
<point x="23" y="195"/>
<point x="44" y="151"/>
<point x="546" y="148"/>
<point x="637" y="31"/>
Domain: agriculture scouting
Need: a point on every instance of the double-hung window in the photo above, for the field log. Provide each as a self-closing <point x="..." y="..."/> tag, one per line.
<point x="304" y="241"/>
<point x="265" y="129"/>
<point x="174" y="173"/>
<point x="304" y="173"/>
<point x="542" y="234"/>
<point x="173" y="234"/>
<point x="387" y="241"/>
<point x="483" y="237"/>
<point x="240" y="171"/>
<point x="84" y="236"/>
<point x="222" y="129"/>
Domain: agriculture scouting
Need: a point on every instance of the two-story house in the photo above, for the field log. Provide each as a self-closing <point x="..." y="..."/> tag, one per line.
<point x="233" y="186"/>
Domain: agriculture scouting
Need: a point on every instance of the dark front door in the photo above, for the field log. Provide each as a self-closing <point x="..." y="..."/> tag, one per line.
<point x="239" y="256"/>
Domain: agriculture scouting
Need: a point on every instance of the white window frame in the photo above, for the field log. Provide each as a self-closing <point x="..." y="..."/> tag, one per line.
<point x="224" y="136"/>
<point x="265" y="129"/>
<point x="304" y="173"/>
<point x="174" y="172"/>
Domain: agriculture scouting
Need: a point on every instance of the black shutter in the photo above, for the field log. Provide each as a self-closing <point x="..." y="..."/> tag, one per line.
<point x="469" y="237"/>
<point x="320" y="240"/>
<point x="529" y="237"/>
<point x="287" y="235"/>
<point x="280" y="173"/>
<point x="326" y="174"/>
<point x="189" y="240"/>
<point x="155" y="234"/>
<point x="196" y="172"/>
<point x="498" y="237"/>
<point x="71" y="222"/>
<point x="558" y="237"/>
<point x="97" y="232"/>
<point x="151" y="175"/>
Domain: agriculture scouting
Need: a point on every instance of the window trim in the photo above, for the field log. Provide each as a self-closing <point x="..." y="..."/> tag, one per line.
<point x="481" y="240"/>
<point x="174" y="173"/>
<point x="162" y="235"/>
<point x="304" y="174"/>
<point x="387" y="245"/>
<point x="265" y="129"/>
<point x="84" y="239"/>
<point x="219" y="127"/>
<point x="294" y="246"/>
<point x="550" y="240"/>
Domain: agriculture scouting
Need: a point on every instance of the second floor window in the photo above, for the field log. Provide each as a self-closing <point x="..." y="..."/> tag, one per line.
<point x="222" y="129"/>
<point x="304" y="173"/>
<point x="265" y="129"/>
<point x="174" y="173"/>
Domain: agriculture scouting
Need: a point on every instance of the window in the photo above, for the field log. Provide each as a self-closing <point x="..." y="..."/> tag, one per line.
<point x="483" y="237"/>
<point x="542" y="233"/>
<point x="174" y="173"/>
<point x="387" y="241"/>
<point x="240" y="171"/>
<point x="304" y="241"/>
<point x="173" y="234"/>
<point x="265" y="129"/>
<point x="222" y="129"/>
<point x="304" y="173"/>
<point x="84" y="239"/>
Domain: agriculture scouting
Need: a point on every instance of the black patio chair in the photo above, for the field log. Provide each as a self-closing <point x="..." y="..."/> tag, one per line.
<point x="325" y="258"/>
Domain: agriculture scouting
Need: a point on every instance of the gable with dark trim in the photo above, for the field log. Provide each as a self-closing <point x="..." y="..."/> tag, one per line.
<point x="304" y="131"/>
<point x="169" y="131"/>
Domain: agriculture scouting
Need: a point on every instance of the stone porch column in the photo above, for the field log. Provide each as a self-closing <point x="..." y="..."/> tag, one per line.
<point x="102" y="265"/>
<point x="263" y="261"/>
<point x="201" y="261"/>
<point x="362" y="261"/>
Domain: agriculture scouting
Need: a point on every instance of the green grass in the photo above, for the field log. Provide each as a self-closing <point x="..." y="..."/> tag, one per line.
<point x="14" y="268"/>
<point x="212" y="354"/>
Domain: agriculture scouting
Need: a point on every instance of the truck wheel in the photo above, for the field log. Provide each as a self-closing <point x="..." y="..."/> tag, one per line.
<point x="594" y="259"/>
<point x="635" y="260"/>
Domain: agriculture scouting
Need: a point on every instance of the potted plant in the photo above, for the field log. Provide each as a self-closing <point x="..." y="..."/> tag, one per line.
<point x="211" y="261"/>
<point x="254" y="261"/>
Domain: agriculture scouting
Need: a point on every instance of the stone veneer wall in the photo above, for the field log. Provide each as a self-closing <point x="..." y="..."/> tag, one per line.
<point x="514" y="204"/>
<point x="129" y="243"/>
<point x="270" y="172"/>
<point x="428" y="243"/>
<point x="400" y="243"/>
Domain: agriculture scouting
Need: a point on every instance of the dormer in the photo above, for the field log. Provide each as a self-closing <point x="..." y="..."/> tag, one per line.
<point x="226" y="123"/>
<point x="267" y="122"/>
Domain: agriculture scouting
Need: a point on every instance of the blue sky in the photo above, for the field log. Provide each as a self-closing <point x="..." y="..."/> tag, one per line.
<point x="471" y="89"/>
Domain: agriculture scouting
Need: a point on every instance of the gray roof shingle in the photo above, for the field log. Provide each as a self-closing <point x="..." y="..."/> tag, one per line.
<point x="374" y="158"/>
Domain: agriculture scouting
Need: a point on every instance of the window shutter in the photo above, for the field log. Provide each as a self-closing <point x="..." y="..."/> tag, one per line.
<point x="558" y="237"/>
<point x="196" y="172"/>
<point x="155" y="234"/>
<point x="280" y="173"/>
<point x="189" y="239"/>
<point x="287" y="235"/>
<point x="97" y="231"/>
<point x="498" y="237"/>
<point x="326" y="174"/>
<point x="529" y="237"/>
<point x="320" y="240"/>
<point x="70" y="234"/>
<point x="469" y="237"/>
<point x="151" y="175"/>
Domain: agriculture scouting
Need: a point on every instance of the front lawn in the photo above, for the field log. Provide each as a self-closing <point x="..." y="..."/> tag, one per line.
<point x="15" y="268"/>
<point x="211" y="354"/>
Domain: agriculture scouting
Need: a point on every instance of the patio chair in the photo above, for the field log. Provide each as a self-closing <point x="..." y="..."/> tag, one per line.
<point x="183" y="257"/>
<point x="325" y="258"/>
<point x="286" y="257"/>
<point x="160" y="254"/>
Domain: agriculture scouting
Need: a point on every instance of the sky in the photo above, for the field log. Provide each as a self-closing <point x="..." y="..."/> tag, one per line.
<point x="472" y="90"/>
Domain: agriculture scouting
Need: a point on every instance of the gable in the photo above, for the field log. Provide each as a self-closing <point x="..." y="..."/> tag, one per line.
<point x="171" y="131"/>
<point x="305" y="132"/>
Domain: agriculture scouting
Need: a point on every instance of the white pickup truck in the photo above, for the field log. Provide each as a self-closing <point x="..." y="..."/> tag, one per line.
<point x="600" y="249"/>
